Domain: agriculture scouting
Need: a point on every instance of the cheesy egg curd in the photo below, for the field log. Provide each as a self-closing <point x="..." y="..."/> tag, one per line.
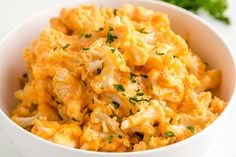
<point x="115" y="80"/>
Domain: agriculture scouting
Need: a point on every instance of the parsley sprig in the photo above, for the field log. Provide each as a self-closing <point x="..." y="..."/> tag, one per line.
<point x="65" y="46"/>
<point x="116" y="104"/>
<point x="110" y="139"/>
<point x="169" y="134"/>
<point x="118" y="119"/>
<point x="191" y="128"/>
<point x="119" y="87"/>
<point x="110" y="36"/>
<point x="215" y="8"/>
<point x="143" y="31"/>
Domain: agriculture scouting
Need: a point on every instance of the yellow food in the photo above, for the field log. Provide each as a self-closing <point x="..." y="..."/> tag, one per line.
<point x="115" y="80"/>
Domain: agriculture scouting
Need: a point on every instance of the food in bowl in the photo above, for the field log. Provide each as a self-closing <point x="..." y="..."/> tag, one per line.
<point x="115" y="80"/>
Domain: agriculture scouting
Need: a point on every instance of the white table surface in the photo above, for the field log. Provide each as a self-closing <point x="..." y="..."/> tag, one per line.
<point x="13" y="12"/>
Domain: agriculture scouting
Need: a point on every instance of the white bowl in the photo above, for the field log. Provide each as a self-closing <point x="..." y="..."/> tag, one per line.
<point x="202" y="38"/>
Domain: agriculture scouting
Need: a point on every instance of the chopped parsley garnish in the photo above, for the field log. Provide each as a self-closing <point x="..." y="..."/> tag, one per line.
<point x="86" y="48"/>
<point x="81" y="34"/>
<point x="120" y="56"/>
<point x="169" y="134"/>
<point x="215" y="8"/>
<point x="119" y="87"/>
<point x="100" y="29"/>
<point x="54" y="49"/>
<point x="120" y="136"/>
<point x="110" y="36"/>
<point x="118" y="119"/>
<point x="143" y="31"/>
<point x="110" y="139"/>
<point x="131" y="112"/>
<point x="113" y="50"/>
<point x="139" y="93"/>
<point x="138" y="134"/>
<point x="115" y="12"/>
<point x="133" y="100"/>
<point x="167" y="105"/>
<point x="84" y="82"/>
<point x="132" y="78"/>
<point x="110" y="28"/>
<point x="143" y="75"/>
<point x="88" y="35"/>
<point x="192" y="129"/>
<point x="99" y="70"/>
<point x="160" y="53"/>
<point x="65" y="46"/>
<point x="116" y="104"/>
<point x="74" y="119"/>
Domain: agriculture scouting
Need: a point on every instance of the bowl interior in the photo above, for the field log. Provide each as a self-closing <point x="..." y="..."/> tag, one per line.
<point x="202" y="39"/>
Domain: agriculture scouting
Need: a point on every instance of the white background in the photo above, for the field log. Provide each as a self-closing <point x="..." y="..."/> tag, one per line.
<point x="13" y="12"/>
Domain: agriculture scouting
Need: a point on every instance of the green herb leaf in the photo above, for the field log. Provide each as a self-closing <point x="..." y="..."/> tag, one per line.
<point x="100" y="29"/>
<point x="191" y="128"/>
<point x="160" y="53"/>
<point x="131" y="112"/>
<point x="65" y="46"/>
<point x="116" y="104"/>
<point x="132" y="77"/>
<point x="84" y="82"/>
<point x="110" y="139"/>
<point x="110" y="28"/>
<point x="110" y="36"/>
<point x="86" y="48"/>
<point x="120" y="136"/>
<point x="74" y="119"/>
<point x="99" y="70"/>
<point x="143" y="75"/>
<point x="139" y="93"/>
<point x="115" y="12"/>
<point x="119" y="87"/>
<point x="169" y="134"/>
<point x="88" y="35"/>
<point x="143" y="31"/>
<point x="113" y="50"/>
<point x="140" y="135"/>
<point x="118" y="119"/>
<point x="54" y="49"/>
<point x="133" y="100"/>
<point x="215" y="8"/>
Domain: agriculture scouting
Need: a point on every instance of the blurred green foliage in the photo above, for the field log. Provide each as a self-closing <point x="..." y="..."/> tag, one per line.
<point x="215" y="8"/>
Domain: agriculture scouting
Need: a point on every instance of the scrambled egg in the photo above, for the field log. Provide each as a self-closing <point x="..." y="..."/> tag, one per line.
<point x="115" y="80"/>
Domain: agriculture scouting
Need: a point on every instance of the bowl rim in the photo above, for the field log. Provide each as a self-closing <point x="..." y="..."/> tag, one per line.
<point x="165" y="148"/>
